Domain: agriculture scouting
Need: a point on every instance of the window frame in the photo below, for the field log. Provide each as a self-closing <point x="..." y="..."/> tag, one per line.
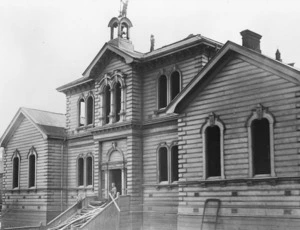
<point x="15" y="155"/>
<point x="32" y="152"/>
<point x="84" y="170"/>
<point x="168" y="75"/>
<point x="79" y="109"/>
<point x="90" y="95"/>
<point x="89" y="155"/>
<point x="259" y="113"/>
<point x="112" y="80"/>
<point x="212" y="120"/>
<point x="168" y="163"/>
<point x="79" y="173"/>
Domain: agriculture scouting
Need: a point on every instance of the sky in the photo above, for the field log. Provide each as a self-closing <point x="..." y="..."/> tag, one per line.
<point x="47" y="43"/>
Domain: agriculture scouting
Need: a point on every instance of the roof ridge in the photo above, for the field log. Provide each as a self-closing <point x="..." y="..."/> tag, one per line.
<point x="43" y="111"/>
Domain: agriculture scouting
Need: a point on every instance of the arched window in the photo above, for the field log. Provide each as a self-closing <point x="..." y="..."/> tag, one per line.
<point x="32" y="156"/>
<point x="213" y="148"/>
<point x="118" y="98"/>
<point x="113" y="98"/>
<point x="174" y="163"/>
<point x="80" y="172"/>
<point x="90" y="110"/>
<point x="213" y="151"/>
<point x="175" y="84"/>
<point x="162" y="92"/>
<point x="107" y="101"/>
<point x="260" y="126"/>
<point x="81" y="112"/>
<point x="163" y="164"/>
<point x="16" y="169"/>
<point x="89" y="170"/>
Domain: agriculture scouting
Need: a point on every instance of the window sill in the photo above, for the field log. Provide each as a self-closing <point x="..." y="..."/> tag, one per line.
<point x="85" y="127"/>
<point x="224" y="182"/>
<point x="90" y="187"/>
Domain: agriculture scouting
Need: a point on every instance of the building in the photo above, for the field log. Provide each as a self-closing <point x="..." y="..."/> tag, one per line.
<point x="193" y="132"/>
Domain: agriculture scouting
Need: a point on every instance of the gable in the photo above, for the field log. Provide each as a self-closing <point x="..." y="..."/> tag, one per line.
<point x="229" y="52"/>
<point x="25" y="135"/>
<point x="237" y="84"/>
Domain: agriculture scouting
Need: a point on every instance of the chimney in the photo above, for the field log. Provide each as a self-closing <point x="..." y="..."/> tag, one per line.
<point x="152" y="41"/>
<point x="278" y="55"/>
<point x="251" y="40"/>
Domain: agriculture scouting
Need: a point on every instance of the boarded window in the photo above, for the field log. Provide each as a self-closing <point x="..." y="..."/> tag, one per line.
<point x="81" y="112"/>
<point x="162" y="92"/>
<point x="118" y="101"/>
<point x="32" y="170"/>
<point x="107" y="104"/>
<point x="80" y="171"/>
<point x="89" y="171"/>
<point x="175" y="84"/>
<point x="163" y="164"/>
<point x="90" y="110"/>
<point x="15" y="172"/>
<point x="213" y="151"/>
<point x="261" y="146"/>
<point x="174" y="163"/>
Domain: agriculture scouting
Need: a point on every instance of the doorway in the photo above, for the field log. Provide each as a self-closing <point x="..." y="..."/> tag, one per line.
<point x="115" y="176"/>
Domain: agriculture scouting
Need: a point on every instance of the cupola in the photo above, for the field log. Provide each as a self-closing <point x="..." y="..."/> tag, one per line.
<point x="120" y="28"/>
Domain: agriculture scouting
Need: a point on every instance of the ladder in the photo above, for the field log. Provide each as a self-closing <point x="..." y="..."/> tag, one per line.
<point x="211" y="208"/>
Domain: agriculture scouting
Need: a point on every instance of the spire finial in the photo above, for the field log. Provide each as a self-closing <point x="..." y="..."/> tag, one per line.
<point x="278" y="55"/>
<point x="123" y="8"/>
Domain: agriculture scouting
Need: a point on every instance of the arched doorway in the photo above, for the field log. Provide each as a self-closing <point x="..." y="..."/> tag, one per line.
<point x="115" y="171"/>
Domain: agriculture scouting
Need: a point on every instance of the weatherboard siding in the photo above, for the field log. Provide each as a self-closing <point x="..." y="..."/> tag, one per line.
<point x="232" y="95"/>
<point x="25" y="199"/>
<point x="160" y="201"/>
<point x="188" y="69"/>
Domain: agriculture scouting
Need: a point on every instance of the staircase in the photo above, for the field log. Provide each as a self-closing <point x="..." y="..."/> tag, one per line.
<point x="82" y="216"/>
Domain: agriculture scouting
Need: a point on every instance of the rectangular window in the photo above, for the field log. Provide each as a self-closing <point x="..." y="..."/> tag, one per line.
<point x="261" y="146"/>
<point x="89" y="171"/>
<point x="174" y="163"/>
<point x="15" y="172"/>
<point x="31" y="170"/>
<point x="80" y="172"/>
<point x="213" y="151"/>
<point x="163" y="164"/>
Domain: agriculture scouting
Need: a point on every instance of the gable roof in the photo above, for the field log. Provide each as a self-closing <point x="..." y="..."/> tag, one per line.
<point x="131" y="55"/>
<point x="221" y="59"/>
<point x="49" y="124"/>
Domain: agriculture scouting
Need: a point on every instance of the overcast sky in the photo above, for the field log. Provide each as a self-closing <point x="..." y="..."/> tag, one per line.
<point x="47" y="43"/>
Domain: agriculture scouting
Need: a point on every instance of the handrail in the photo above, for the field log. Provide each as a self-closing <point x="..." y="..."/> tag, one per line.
<point x="117" y="206"/>
<point x="70" y="211"/>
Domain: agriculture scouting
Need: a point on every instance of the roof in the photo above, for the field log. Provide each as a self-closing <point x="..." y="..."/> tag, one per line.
<point x="269" y="64"/>
<point x="135" y="56"/>
<point x="50" y="124"/>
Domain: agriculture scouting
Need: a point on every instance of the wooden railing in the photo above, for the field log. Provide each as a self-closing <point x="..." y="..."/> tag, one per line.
<point x="108" y="218"/>
<point x="25" y="228"/>
<point x="65" y="215"/>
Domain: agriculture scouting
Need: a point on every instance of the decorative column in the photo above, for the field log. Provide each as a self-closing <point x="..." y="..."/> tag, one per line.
<point x="112" y="107"/>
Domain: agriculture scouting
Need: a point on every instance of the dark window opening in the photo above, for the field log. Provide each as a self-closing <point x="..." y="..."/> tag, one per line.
<point x="118" y="101"/>
<point x="89" y="171"/>
<point x="174" y="163"/>
<point x="213" y="151"/>
<point x="90" y="110"/>
<point x="31" y="171"/>
<point x="163" y="164"/>
<point x="107" y="104"/>
<point x="15" y="172"/>
<point x="175" y="84"/>
<point x="81" y="112"/>
<point x="162" y="92"/>
<point x="261" y="146"/>
<point x="80" y="171"/>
